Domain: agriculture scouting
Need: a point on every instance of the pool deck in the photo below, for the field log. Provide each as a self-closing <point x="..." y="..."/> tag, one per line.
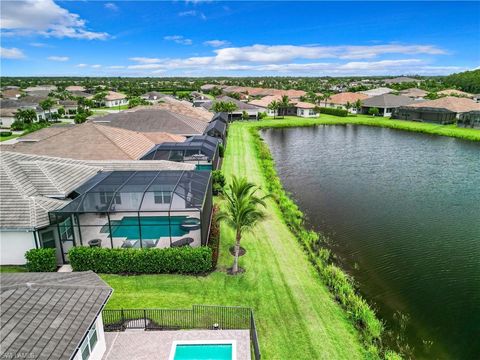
<point x="143" y="345"/>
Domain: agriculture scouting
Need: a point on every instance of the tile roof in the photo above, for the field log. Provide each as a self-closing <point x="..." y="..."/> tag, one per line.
<point x="452" y="103"/>
<point x="343" y="98"/>
<point x="240" y="104"/>
<point x="48" y="315"/>
<point x="387" y="101"/>
<point x="155" y="119"/>
<point x="112" y="95"/>
<point x="377" y="91"/>
<point x="265" y="101"/>
<point x="33" y="185"/>
<point x="89" y="141"/>
<point x="75" y="88"/>
<point x="11" y="93"/>
<point x="413" y="92"/>
<point x="304" y="105"/>
<point x="400" y="79"/>
<point x="454" y="92"/>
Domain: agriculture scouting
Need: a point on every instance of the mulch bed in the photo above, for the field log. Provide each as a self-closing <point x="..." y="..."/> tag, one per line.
<point x="241" y="252"/>
<point x="240" y="271"/>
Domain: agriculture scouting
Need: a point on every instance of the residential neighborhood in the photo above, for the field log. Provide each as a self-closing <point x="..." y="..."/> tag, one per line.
<point x="193" y="180"/>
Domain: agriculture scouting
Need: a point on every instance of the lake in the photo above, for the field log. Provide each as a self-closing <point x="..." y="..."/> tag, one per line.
<point x="402" y="213"/>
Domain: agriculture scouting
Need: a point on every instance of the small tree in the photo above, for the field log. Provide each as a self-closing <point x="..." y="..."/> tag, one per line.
<point x="47" y="105"/>
<point x="284" y="104"/>
<point x="348" y="106"/>
<point x="274" y="106"/>
<point x="358" y="105"/>
<point x="241" y="211"/>
<point x="25" y="116"/>
<point x="373" y="111"/>
<point x="245" y="115"/>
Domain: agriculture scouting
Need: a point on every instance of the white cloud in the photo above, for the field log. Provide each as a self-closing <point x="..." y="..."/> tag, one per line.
<point x="39" y="45"/>
<point x="44" y="17"/>
<point x="179" y="39"/>
<point x="96" y="66"/>
<point x="58" y="58"/>
<point x="81" y="65"/>
<point x="145" y="60"/>
<point x="111" y="6"/>
<point x="11" y="53"/>
<point x="116" y="67"/>
<point x="194" y="13"/>
<point x="216" y="43"/>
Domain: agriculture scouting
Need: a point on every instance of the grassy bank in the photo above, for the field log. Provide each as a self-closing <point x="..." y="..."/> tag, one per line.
<point x="296" y="315"/>
<point x="413" y="126"/>
<point x="12" y="268"/>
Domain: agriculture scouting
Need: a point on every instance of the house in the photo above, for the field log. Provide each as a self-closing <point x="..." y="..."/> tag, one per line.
<point x="444" y="110"/>
<point x="264" y="102"/>
<point x="201" y="150"/>
<point x="82" y="94"/>
<point x="89" y="141"/>
<point x="9" y="107"/>
<point x="470" y="119"/>
<point x="52" y="315"/>
<point x="11" y="94"/>
<point x="37" y="88"/>
<point x="242" y="107"/>
<point x="73" y="88"/>
<point x="153" y="96"/>
<point x="385" y="103"/>
<point x="305" y="109"/>
<point x="199" y="98"/>
<point x="401" y="80"/>
<point x="70" y="106"/>
<point x="209" y="87"/>
<point x="414" y="93"/>
<point x="155" y="119"/>
<point x="33" y="186"/>
<point x="217" y="127"/>
<point x="377" y="91"/>
<point x="114" y="99"/>
<point x="454" y="92"/>
<point x="341" y="99"/>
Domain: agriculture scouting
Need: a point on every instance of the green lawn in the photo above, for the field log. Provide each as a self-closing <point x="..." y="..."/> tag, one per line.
<point x="5" y="138"/>
<point x="12" y="268"/>
<point x="121" y="107"/>
<point x="296" y="315"/>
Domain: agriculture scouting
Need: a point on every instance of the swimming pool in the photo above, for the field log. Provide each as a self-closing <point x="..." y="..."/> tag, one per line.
<point x="152" y="227"/>
<point x="203" y="350"/>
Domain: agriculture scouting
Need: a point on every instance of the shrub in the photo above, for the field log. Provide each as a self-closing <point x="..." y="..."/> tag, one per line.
<point x="333" y="111"/>
<point x="41" y="260"/>
<point x="5" y="133"/>
<point x="17" y="125"/>
<point x="184" y="260"/>
<point x="221" y="150"/>
<point x="262" y="115"/>
<point x="218" y="182"/>
<point x="373" y="111"/>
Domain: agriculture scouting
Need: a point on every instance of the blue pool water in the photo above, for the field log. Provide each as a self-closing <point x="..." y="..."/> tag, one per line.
<point x="203" y="352"/>
<point x="204" y="167"/>
<point x="153" y="227"/>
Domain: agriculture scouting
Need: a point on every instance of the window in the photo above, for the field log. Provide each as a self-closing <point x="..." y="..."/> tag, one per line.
<point x="162" y="197"/>
<point x="106" y="197"/>
<point x="48" y="239"/>
<point x="66" y="229"/>
<point x="89" y="343"/>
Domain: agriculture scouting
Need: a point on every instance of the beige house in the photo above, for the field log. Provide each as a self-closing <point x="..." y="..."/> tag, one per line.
<point x="114" y="99"/>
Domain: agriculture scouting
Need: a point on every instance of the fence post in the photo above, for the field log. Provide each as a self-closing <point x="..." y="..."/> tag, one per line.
<point x="145" y="318"/>
<point x="123" y="321"/>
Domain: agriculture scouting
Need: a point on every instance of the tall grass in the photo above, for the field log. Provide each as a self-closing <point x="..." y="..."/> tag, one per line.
<point x="340" y="284"/>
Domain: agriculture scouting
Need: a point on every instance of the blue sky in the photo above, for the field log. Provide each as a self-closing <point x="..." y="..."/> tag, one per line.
<point x="210" y="38"/>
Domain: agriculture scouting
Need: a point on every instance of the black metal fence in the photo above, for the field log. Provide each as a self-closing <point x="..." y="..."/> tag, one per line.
<point x="199" y="317"/>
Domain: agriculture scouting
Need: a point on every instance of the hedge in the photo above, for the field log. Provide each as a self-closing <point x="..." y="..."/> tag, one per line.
<point x="41" y="260"/>
<point x="184" y="260"/>
<point x="5" y="133"/>
<point x="333" y="111"/>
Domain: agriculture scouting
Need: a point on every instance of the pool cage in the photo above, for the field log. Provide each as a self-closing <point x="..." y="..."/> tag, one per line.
<point x="137" y="209"/>
<point x="199" y="150"/>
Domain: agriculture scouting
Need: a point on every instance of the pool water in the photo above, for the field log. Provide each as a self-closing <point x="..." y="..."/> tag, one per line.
<point x="152" y="227"/>
<point x="203" y="352"/>
<point x="204" y="167"/>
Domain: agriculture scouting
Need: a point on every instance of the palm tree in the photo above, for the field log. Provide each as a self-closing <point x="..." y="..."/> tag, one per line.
<point x="47" y="104"/>
<point x="348" y="106"/>
<point x="285" y="104"/>
<point x="230" y="107"/>
<point x="241" y="211"/>
<point x="358" y="105"/>
<point x="274" y="106"/>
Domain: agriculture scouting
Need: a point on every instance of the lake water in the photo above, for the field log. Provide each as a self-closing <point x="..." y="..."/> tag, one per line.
<point x="402" y="211"/>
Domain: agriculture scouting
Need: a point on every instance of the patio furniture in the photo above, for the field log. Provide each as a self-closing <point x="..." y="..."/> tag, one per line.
<point x="182" y="242"/>
<point x="127" y="244"/>
<point x="95" y="243"/>
<point x="190" y="223"/>
<point x="149" y="243"/>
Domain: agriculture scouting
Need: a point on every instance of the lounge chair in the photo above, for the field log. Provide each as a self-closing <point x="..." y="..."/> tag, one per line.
<point x="182" y="242"/>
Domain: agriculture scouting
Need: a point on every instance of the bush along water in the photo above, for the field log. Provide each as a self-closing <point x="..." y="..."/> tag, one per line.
<point x="340" y="284"/>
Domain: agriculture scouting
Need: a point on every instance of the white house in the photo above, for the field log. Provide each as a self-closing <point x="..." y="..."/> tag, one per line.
<point x="305" y="109"/>
<point x="114" y="99"/>
<point x="53" y="315"/>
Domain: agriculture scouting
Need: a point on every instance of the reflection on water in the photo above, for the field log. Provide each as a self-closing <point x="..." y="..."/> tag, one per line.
<point x="403" y="212"/>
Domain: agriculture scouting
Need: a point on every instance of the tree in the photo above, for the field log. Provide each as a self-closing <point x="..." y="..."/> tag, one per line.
<point x="61" y="111"/>
<point x="25" y="116"/>
<point x="241" y="211"/>
<point x="136" y="101"/>
<point x="348" y="105"/>
<point x="224" y="106"/>
<point x="358" y="105"/>
<point x="245" y="115"/>
<point x="99" y="97"/>
<point x="47" y="104"/>
<point x="373" y="111"/>
<point x="284" y="104"/>
<point x="274" y="106"/>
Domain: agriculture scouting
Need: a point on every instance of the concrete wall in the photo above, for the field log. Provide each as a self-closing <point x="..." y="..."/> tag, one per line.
<point x="6" y="121"/>
<point x="13" y="245"/>
<point x="113" y="103"/>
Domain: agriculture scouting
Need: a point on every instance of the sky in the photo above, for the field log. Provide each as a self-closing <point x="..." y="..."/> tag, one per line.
<point x="227" y="38"/>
